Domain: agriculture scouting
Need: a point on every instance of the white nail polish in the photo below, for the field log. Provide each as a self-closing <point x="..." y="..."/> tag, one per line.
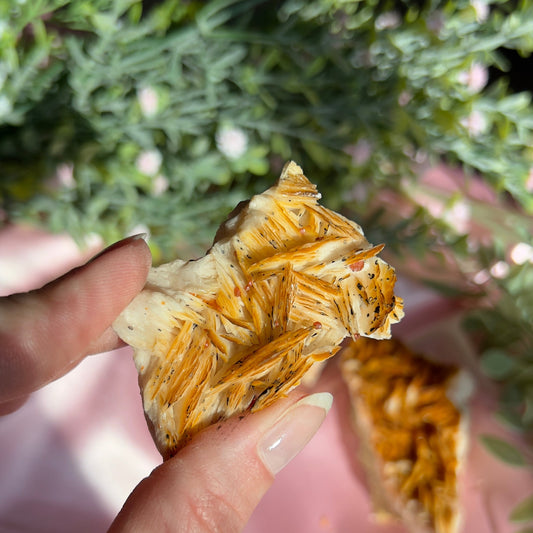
<point x="293" y="430"/>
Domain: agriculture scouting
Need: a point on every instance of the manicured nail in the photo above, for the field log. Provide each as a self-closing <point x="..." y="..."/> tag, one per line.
<point x="293" y="430"/>
<point x="120" y="244"/>
<point x="137" y="237"/>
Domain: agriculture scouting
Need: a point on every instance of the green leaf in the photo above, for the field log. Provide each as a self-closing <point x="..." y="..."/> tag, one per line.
<point x="497" y="364"/>
<point x="510" y="418"/>
<point x="523" y="512"/>
<point x="214" y="14"/>
<point x="503" y="450"/>
<point x="318" y="153"/>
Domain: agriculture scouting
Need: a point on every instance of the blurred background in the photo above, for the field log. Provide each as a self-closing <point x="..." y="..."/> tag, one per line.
<point x="413" y="118"/>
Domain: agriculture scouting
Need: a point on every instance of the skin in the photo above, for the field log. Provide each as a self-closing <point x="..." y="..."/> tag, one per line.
<point x="214" y="483"/>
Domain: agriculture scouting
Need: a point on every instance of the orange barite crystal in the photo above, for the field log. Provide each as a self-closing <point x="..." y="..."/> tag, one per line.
<point x="411" y="432"/>
<point x="240" y="325"/>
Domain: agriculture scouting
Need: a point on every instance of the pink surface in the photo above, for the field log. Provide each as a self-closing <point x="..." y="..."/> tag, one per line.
<point x="73" y="453"/>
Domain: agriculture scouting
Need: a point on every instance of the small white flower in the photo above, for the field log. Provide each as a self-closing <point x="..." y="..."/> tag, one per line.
<point x="65" y="175"/>
<point x="435" y="22"/>
<point x="476" y="123"/>
<point x="529" y="181"/>
<point x="521" y="253"/>
<point x="149" y="162"/>
<point x="359" y="192"/>
<point x="482" y="10"/>
<point x="404" y="98"/>
<point x="388" y="21"/>
<point x="360" y="151"/>
<point x="472" y="244"/>
<point x="63" y="178"/>
<point x="458" y="217"/>
<point x="148" y="101"/>
<point x="433" y="205"/>
<point x="481" y="277"/>
<point x="475" y="78"/>
<point x="93" y="241"/>
<point x="159" y="185"/>
<point x="232" y="142"/>
<point x="421" y="156"/>
<point x="499" y="270"/>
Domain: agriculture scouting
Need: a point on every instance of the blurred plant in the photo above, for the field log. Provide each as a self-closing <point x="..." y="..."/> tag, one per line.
<point x="120" y="114"/>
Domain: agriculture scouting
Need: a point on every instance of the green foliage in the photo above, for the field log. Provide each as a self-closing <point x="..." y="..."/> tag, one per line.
<point x="523" y="512"/>
<point x="117" y="115"/>
<point x="508" y="338"/>
<point x="503" y="450"/>
<point x="497" y="364"/>
<point x="307" y="81"/>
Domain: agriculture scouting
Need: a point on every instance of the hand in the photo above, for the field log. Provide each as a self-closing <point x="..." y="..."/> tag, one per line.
<point x="215" y="482"/>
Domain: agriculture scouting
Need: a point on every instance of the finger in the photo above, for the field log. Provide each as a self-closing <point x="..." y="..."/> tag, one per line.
<point x="215" y="482"/>
<point x="46" y="332"/>
<point x="12" y="405"/>
<point x="109" y="340"/>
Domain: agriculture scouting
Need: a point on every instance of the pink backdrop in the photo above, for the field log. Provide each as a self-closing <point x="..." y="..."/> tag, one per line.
<point x="73" y="453"/>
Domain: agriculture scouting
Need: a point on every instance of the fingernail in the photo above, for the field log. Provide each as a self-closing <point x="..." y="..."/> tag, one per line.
<point x="120" y="244"/>
<point x="293" y="430"/>
<point x="131" y="238"/>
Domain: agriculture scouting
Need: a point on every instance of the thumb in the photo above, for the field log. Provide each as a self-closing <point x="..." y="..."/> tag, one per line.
<point x="215" y="482"/>
<point x="44" y="333"/>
